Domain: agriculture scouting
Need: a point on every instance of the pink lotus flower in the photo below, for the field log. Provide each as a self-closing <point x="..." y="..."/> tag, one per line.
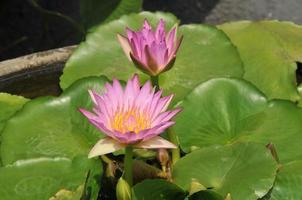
<point x="152" y="52"/>
<point x="131" y="116"/>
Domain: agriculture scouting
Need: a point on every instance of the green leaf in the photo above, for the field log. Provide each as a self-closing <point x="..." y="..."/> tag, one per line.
<point x="282" y="126"/>
<point x="95" y="12"/>
<point x="52" y="126"/>
<point x="196" y="60"/>
<point x="219" y="111"/>
<point x="269" y="51"/>
<point x="9" y="104"/>
<point x="246" y="170"/>
<point x="157" y="189"/>
<point x="288" y="182"/>
<point x="300" y="92"/>
<point x="206" y="195"/>
<point x="224" y="111"/>
<point x="68" y="195"/>
<point x="41" y="178"/>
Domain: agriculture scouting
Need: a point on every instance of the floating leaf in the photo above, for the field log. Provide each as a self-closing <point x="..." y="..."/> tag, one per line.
<point x="196" y="60"/>
<point x="269" y="51"/>
<point x="157" y="189"/>
<point x="64" y="194"/>
<point x="288" y="182"/>
<point x="223" y="111"/>
<point x="41" y="178"/>
<point x="52" y="126"/>
<point x="206" y="195"/>
<point x="219" y="111"/>
<point x="246" y="170"/>
<point x="9" y="104"/>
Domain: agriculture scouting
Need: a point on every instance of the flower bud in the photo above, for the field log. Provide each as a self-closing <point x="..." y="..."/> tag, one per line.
<point x="228" y="197"/>
<point x="110" y="170"/>
<point x="163" y="157"/>
<point x="123" y="190"/>
<point x="152" y="51"/>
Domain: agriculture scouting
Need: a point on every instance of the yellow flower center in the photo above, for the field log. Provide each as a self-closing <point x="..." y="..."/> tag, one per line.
<point x="131" y="120"/>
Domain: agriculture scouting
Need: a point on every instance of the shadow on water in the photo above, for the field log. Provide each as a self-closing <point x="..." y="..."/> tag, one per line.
<point x="193" y="11"/>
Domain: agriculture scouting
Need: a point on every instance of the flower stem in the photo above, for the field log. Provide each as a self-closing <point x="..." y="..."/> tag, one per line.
<point x="154" y="80"/>
<point x="171" y="134"/>
<point x="128" y="165"/>
<point x="175" y="152"/>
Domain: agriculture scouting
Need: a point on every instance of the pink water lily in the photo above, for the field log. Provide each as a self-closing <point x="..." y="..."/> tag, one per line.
<point x="132" y="115"/>
<point x="151" y="51"/>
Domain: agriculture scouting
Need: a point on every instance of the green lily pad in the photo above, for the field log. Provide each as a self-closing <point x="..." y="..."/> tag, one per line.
<point x="95" y="12"/>
<point x="224" y="111"/>
<point x="219" y="111"/>
<point x="245" y="170"/>
<point x="157" y="189"/>
<point x="196" y="60"/>
<point x="52" y="126"/>
<point x="41" y="178"/>
<point x="282" y="127"/>
<point x="9" y="104"/>
<point x="269" y="51"/>
<point x="206" y="195"/>
<point x="288" y="182"/>
<point x="300" y="92"/>
<point x="68" y="195"/>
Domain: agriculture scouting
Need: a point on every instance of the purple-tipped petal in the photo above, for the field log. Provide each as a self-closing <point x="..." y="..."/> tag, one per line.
<point x="156" y="143"/>
<point x="177" y="45"/>
<point x="157" y="130"/>
<point x="166" y="116"/>
<point x="153" y="52"/>
<point x="147" y="26"/>
<point x="160" y="31"/>
<point x="130" y="115"/>
<point x="162" y="105"/>
<point x="171" y="40"/>
<point x="105" y="146"/>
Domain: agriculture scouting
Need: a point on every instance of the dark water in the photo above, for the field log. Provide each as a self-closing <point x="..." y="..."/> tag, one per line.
<point x="33" y="83"/>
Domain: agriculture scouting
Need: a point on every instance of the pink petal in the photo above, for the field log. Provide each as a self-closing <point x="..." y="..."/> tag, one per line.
<point x="156" y="143"/>
<point x="136" y="84"/>
<point x="162" y="106"/>
<point x="104" y="146"/>
<point x="125" y="45"/>
<point x="166" y="116"/>
<point x="171" y="40"/>
<point x="102" y="127"/>
<point x="128" y="137"/>
<point x="178" y="42"/>
<point x="146" y="25"/>
<point x="130" y="34"/>
<point x="157" y="130"/>
<point x="160" y="31"/>
<point x="88" y="114"/>
<point x="143" y="94"/>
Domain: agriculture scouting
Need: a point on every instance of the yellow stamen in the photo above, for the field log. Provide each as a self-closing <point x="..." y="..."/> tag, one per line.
<point x="132" y="120"/>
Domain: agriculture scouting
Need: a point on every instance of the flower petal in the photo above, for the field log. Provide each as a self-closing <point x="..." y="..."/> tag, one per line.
<point x="165" y="116"/>
<point x="125" y="45"/>
<point x="152" y="132"/>
<point x="156" y="143"/>
<point x="104" y="146"/>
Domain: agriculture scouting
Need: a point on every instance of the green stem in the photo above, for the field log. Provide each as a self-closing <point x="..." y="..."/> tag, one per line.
<point x="175" y="152"/>
<point x="154" y="80"/>
<point x="171" y="134"/>
<point x="128" y="165"/>
<point x="106" y="159"/>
